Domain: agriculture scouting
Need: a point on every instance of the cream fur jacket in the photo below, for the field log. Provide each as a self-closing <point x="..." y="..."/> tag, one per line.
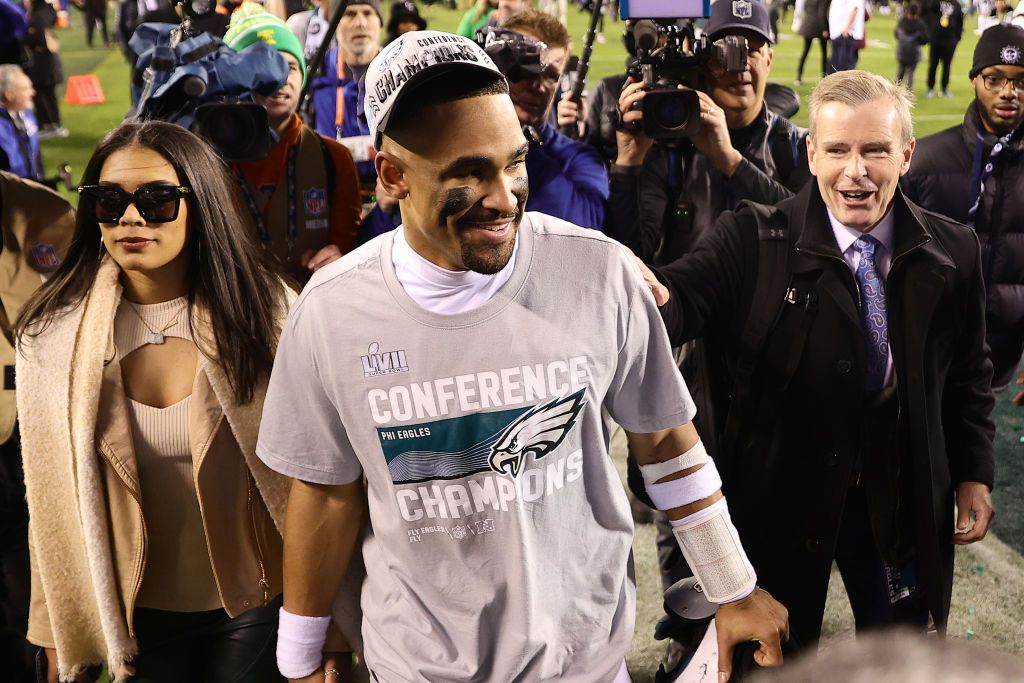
<point x="59" y="375"/>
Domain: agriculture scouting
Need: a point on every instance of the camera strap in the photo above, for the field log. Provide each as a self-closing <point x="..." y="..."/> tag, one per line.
<point x="257" y="215"/>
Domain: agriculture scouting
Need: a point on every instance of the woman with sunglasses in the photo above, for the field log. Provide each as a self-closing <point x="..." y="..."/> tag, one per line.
<point x="142" y="369"/>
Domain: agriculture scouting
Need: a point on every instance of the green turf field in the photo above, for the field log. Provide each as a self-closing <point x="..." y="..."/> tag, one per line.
<point x="989" y="594"/>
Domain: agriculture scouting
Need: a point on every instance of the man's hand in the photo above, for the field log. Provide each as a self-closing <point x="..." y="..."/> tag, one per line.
<point x="337" y="668"/>
<point x="972" y="497"/>
<point x="315" y="677"/>
<point x="712" y="140"/>
<point x="568" y="111"/>
<point x="633" y="145"/>
<point x="660" y="291"/>
<point x="758" y="617"/>
<point x="385" y="202"/>
<point x="1018" y="400"/>
<point x="317" y="260"/>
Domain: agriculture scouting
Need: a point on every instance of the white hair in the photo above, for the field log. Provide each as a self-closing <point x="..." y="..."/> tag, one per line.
<point x="854" y="88"/>
<point x="8" y="77"/>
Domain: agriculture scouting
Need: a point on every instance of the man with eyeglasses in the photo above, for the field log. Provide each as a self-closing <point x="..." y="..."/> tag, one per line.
<point x="974" y="174"/>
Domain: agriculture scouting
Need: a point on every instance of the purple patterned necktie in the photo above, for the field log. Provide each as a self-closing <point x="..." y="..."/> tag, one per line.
<point x="873" y="321"/>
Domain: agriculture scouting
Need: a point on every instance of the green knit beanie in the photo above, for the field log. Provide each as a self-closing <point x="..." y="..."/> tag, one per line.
<point x="249" y="27"/>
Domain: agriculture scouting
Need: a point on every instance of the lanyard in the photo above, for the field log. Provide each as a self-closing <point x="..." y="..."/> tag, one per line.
<point x="257" y="216"/>
<point x="339" y="96"/>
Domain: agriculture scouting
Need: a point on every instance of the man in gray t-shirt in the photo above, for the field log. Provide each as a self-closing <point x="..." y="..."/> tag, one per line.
<point x="499" y="535"/>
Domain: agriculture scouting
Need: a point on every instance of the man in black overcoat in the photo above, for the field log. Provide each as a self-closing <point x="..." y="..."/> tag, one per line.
<point x="853" y="322"/>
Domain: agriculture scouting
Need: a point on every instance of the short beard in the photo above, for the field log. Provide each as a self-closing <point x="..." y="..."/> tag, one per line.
<point x="997" y="129"/>
<point x="490" y="259"/>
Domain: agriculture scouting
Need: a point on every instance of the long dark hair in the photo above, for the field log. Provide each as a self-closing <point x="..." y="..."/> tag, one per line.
<point x="228" y="272"/>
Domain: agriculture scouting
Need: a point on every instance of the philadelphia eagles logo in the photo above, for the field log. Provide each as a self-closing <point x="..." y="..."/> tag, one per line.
<point x="538" y="431"/>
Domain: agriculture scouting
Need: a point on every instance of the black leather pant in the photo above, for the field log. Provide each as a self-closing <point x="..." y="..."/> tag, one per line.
<point x="207" y="647"/>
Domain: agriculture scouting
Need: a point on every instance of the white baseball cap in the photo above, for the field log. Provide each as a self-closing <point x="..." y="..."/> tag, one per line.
<point x="409" y="59"/>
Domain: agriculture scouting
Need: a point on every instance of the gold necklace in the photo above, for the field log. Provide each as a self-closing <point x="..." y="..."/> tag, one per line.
<point x="157" y="336"/>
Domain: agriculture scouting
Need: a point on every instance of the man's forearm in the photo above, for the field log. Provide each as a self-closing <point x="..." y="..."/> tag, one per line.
<point x="322" y="525"/>
<point x="663" y="446"/>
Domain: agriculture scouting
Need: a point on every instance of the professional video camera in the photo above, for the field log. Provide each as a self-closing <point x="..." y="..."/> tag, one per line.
<point x="515" y="55"/>
<point x="668" y="56"/>
<point x="193" y="79"/>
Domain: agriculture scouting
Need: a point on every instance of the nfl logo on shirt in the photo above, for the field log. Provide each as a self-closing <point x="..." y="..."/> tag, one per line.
<point x="45" y="256"/>
<point x="742" y="9"/>
<point x="315" y="201"/>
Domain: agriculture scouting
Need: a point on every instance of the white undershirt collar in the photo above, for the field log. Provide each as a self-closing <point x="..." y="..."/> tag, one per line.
<point x="445" y="291"/>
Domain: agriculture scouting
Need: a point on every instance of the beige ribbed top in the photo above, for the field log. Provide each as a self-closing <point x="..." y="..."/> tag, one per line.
<point x="178" y="575"/>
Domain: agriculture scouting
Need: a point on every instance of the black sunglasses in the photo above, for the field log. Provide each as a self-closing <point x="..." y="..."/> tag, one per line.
<point x="156" y="203"/>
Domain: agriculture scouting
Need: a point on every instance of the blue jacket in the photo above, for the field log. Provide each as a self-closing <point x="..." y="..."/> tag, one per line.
<point x="325" y="106"/>
<point x="19" y="151"/>
<point x="568" y="179"/>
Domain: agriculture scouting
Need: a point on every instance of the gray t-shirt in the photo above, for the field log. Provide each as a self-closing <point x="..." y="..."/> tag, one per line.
<point x="501" y="534"/>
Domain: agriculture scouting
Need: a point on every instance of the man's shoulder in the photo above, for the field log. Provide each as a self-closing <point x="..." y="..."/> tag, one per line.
<point x="567" y="242"/>
<point x="546" y="226"/>
<point x="337" y="150"/>
<point x="357" y="269"/>
<point x="941" y="152"/>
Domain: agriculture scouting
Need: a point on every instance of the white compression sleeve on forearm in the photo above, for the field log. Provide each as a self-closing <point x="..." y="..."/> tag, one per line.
<point x="712" y="548"/>
<point x="300" y="643"/>
<point x="654" y="471"/>
<point x="676" y="493"/>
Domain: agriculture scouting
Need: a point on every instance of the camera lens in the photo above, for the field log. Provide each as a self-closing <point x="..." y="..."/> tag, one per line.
<point x="669" y="113"/>
<point x="231" y="131"/>
<point x="238" y="131"/>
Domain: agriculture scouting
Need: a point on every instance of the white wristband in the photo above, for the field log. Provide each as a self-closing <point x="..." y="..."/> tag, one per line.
<point x="300" y="643"/>
<point x="695" y="486"/>
<point x="698" y="455"/>
<point x="713" y="550"/>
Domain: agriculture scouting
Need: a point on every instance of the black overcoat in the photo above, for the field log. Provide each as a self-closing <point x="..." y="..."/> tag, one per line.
<point x="806" y="430"/>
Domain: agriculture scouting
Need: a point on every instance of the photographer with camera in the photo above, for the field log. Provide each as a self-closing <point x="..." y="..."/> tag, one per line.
<point x="567" y="177"/>
<point x="665" y="192"/>
<point x="303" y="197"/>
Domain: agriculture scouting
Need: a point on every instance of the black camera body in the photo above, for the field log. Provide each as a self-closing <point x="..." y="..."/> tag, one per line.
<point x="191" y="78"/>
<point x="515" y="55"/>
<point x="668" y="56"/>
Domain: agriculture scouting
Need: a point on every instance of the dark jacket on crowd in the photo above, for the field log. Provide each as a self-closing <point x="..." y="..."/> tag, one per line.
<point x="953" y="30"/>
<point x="44" y="66"/>
<point x="911" y="34"/>
<point x="568" y="179"/>
<point x="941" y="178"/>
<point x="815" y="20"/>
<point x="660" y="211"/>
<point x="603" y="118"/>
<point x="790" y="464"/>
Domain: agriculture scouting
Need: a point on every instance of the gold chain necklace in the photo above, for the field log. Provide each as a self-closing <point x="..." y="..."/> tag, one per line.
<point x="157" y="336"/>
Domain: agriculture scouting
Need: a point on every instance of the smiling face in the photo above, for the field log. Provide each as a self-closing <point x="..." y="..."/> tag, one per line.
<point x="858" y="155"/>
<point x="155" y="250"/>
<point x="1002" y="110"/>
<point x="282" y="104"/>
<point x="359" y="33"/>
<point x="533" y="97"/>
<point x="462" y="188"/>
<point x="741" y="95"/>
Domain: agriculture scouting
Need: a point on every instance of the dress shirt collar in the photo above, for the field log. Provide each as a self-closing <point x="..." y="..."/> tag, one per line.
<point x="846" y="236"/>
